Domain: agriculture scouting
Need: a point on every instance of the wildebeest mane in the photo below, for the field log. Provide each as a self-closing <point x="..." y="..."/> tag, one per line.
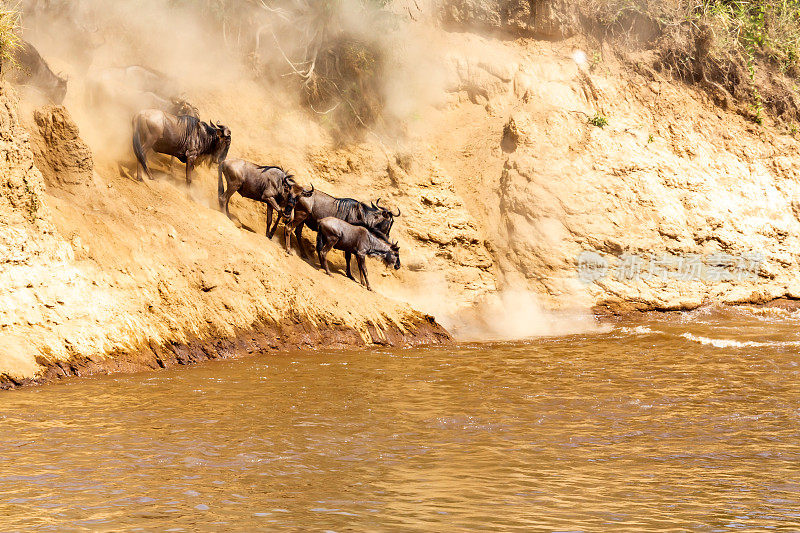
<point x="190" y="123"/>
<point x="264" y="168"/>
<point x="347" y="206"/>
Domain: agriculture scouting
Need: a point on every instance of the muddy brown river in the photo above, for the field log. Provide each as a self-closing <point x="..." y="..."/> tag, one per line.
<point x="683" y="422"/>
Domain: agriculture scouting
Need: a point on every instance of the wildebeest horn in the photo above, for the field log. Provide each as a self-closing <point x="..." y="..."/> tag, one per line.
<point x="309" y="193"/>
<point x="378" y="203"/>
<point x="398" y="213"/>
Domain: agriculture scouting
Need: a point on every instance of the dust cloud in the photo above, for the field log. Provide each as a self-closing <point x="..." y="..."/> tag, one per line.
<point x="508" y="315"/>
<point x="517" y="315"/>
<point x="241" y="64"/>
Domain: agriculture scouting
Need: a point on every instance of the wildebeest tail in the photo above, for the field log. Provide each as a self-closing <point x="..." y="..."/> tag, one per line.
<point x="138" y="149"/>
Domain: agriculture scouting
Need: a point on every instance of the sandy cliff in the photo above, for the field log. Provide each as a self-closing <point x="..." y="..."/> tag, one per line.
<point x="100" y="272"/>
<point x="502" y="179"/>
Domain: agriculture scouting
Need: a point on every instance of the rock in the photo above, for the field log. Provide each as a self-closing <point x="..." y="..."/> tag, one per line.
<point x="552" y="19"/>
<point x="63" y="157"/>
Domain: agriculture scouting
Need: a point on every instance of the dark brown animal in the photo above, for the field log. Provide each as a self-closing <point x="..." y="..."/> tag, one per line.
<point x="33" y="70"/>
<point x="354" y="240"/>
<point x="310" y="209"/>
<point x="266" y="184"/>
<point x="183" y="137"/>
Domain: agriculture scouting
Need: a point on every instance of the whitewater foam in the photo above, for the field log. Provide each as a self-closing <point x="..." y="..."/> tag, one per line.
<point x="732" y="343"/>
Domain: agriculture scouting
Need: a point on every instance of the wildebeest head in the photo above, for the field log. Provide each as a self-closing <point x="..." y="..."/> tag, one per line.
<point x="293" y="193"/>
<point x="385" y="218"/>
<point x="223" y="141"/>
<point x="392" y="257"/>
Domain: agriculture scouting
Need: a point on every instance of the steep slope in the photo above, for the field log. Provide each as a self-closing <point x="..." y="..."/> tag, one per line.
<point x="521" y="157"/>
<point x="103" y="273"/>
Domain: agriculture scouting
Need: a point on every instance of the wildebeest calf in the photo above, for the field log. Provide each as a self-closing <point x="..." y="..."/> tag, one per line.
<point x="359" y="240"/>
<point x="184" y="137"/>
<point x="261" y="183"/>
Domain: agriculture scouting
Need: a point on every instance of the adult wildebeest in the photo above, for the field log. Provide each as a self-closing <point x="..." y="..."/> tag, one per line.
<point x="309" y="210"/>
<point x="358" y="240"/>
<point x="184" y="137"/>
<point x="266" y="184"/>
<point x="135" y="78"/>
<point x="33" y="70"/>
<point x="133" y="89"/>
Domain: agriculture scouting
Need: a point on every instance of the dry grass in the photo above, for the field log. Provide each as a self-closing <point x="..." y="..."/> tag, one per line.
<point x="746" y="53"/>
<point x="9" y="33"/>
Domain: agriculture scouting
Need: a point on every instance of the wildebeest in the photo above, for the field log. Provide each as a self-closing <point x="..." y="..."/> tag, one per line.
<point x="33" y="70"/>
<point x="308" y="211"/>
<point x="135" y="88"/>
<point x="184" y="137"/>
<point x="135" y="78"/>
<point x="266" y="184"/>
<point x="70" y="23"/>
<point x="354" y="240"/>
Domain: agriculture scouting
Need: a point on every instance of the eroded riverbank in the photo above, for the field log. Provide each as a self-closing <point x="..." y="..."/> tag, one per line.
<point x="263" y="339"/>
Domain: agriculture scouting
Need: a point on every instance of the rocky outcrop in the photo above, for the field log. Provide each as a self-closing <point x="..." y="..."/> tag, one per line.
<point x="621" y="191"/>
<point x="548" y="19"/>
<point x="60" y="154"/>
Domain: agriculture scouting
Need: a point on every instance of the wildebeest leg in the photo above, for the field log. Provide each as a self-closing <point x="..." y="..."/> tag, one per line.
<point x="272" y="204"/>
<point x="290" y="225"/>
<point x="347" y="256"/>
<point x="233" y="188"/>
<point x="298" y="232"/>
<point x="287" y="234"/>
<point x="189" y="167"/>
<point x="323" y="254"/>
<point x="320" y="246"/>
<point x="275" y="226"/>
<point x="362" y="267"/>
<point x="141" y="149"/>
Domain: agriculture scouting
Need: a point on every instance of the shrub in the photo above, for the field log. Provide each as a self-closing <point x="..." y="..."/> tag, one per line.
<point x="598" y="120"/>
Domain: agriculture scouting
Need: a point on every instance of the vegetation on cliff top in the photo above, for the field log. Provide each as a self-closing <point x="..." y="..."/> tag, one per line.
<point x="9" y="32"/>
<point x="746" y="53"/>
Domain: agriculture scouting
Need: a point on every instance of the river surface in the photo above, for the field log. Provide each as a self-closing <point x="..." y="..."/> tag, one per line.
<point x="681" y="422"/>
